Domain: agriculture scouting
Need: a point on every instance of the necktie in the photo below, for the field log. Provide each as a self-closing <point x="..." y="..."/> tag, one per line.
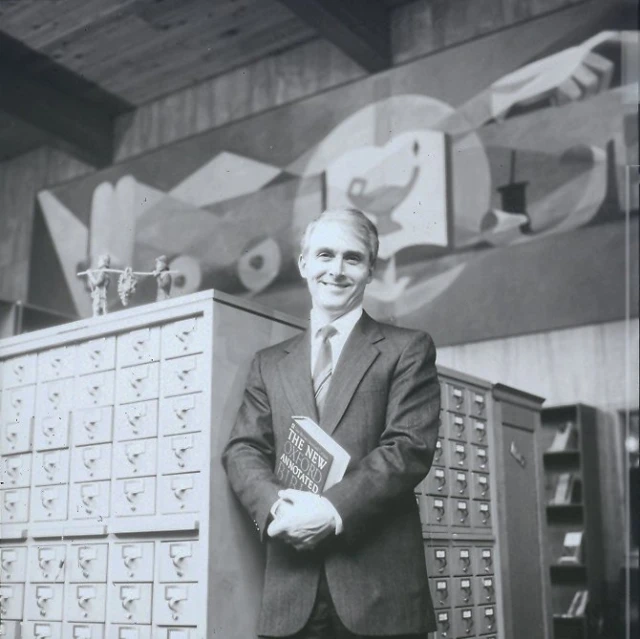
<point x="323" y="367"/>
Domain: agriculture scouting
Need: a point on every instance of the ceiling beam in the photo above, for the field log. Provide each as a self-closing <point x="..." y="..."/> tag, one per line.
<point x="361" y="28"/>
<point x="70" y="111"/>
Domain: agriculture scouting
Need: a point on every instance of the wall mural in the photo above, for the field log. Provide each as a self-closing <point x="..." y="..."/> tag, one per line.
<point x="501" y="214"/>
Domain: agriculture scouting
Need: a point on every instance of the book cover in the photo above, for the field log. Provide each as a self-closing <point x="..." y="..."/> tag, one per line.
<point x="311" y="459"/>
<point x="561" y="440"/>
<point x="564" y="489"/>
<point x="572" y="548"/>
<point x="578" y="605"/>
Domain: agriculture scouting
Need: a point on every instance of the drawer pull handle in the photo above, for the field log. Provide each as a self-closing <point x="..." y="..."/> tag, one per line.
<point x="90" y="457"/>
<point x="140" y="346"/>
<point x="174" y="597"/>
<point x="463" y="512"/>
<point x="54" y="399"/>
<point x="134" y="417"/>
<point x="45" y="557"/>
<point x="86" y="556"/>
<point x="7" y="559"/>
<point x="481" y="431"/>
<point x="84" y="597"/>
<point x="12" y="437"/>
<point x="48" y="498"/>
<point x="43" y="595"/>
<point x="13" y="468"/>
<point x="131" y="492"/>
<point x="462" y="482"/>
<point x="88" y="495"/>
<point x="132" y="453"/>
<point x="94" y="390"/>
<point x="56" y="364"/>
<point x="466" y="590"/>
<point x="438" y="506"/>
<point x="184" y="335"/>
<point x="50" y="466"/>
<point x="128" y="596"/>
<point x="489" y="618"/>
<point x="95" y="355"/>
<point x="179" y="554"/>
<point x="489" y="589"/>
<point x="130" y="556"/>
<point x="49" y="428"/>
<point x="90" y="426"/>
<point x="6" y="594"/>
<point x="180" y="453"/>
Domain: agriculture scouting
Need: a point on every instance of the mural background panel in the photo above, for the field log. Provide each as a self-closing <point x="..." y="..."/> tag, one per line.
<point x="497" y="187"/>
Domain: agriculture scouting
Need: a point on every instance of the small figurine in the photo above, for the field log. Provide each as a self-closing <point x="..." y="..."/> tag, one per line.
<point x="99" y="281"/>
<point x="163" y="278"/>
<point x="127" y="285"/>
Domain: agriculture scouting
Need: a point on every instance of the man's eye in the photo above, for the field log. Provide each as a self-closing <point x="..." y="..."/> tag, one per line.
<point x="354" y="260"/>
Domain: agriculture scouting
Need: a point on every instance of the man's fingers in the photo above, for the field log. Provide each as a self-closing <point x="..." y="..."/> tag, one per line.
<point x="291" y="495"/>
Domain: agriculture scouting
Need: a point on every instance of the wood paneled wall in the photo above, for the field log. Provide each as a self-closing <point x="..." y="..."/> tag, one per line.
<point x="595" y="364"/>
<point x="20" y="180"/>
<point x="420" y="28"/>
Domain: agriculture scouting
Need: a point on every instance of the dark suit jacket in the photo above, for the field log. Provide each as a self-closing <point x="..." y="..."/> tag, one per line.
<point x="383" y="407"/>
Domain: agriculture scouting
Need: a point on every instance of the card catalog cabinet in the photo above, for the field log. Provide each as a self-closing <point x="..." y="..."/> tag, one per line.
<point x="471" y="544"/>
<point x="116" y="521"/>
<point x="116" y="517"/>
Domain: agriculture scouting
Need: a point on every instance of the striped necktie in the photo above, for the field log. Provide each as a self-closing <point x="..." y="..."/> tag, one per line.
<point x="323" y="367"/>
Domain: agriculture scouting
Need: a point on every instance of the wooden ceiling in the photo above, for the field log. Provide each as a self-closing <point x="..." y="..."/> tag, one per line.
<point x="95" y="59"/>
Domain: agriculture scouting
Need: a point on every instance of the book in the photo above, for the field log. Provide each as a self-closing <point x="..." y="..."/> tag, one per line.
<point x="572" y="548"/>
<point x="562" y="438"/>
<point x="311" y="459"/>
<point x="578" y="604"/>
<point x="564" y="489"/>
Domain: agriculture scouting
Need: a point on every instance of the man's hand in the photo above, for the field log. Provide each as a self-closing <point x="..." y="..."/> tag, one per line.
<point x="302" y="519"/>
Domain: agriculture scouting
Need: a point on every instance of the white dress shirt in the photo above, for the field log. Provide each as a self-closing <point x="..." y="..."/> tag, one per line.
<point x="343" y="325"/>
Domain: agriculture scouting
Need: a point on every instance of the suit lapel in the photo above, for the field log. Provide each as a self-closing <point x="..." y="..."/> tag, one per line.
<point x="357" y="356"/>
<point x="295" y="374"/>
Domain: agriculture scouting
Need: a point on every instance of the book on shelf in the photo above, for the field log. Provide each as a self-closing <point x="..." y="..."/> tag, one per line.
<point x="563" y="490"/>
<point x="578" y="605"/>
<point x="571" y="548"/>
<point x="564" y="439"/>
<point x="311" y="459"/>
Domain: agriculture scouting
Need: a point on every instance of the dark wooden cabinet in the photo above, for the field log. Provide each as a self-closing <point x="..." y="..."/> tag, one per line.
<point x="520" y="513"/>
<point x="573" y="507"/>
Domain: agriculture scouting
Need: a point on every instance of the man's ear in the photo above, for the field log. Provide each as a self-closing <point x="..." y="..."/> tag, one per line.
<point x="302" y="266"/>
<point x="370" y="277"/>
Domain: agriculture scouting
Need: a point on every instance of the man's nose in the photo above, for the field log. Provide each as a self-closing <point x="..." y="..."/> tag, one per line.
<point x="336" y="267"/>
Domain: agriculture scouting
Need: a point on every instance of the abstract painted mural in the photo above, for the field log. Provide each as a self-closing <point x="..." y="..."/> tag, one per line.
<point x="498" y="214"/>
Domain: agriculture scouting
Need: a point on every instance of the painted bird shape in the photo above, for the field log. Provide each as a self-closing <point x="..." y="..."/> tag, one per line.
<point x="383" y="200"/>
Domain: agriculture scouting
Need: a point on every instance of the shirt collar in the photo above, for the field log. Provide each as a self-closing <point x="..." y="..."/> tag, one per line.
<point x="344" y="324"/>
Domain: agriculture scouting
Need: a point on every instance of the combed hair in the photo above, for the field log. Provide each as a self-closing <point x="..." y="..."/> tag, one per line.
<point x="364" y="228"/>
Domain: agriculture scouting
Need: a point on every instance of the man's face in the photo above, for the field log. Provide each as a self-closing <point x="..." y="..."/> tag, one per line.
<point x="336" y="267"/>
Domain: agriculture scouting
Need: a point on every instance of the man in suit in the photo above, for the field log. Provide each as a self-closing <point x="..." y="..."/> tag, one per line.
<point x="349" y="563"/>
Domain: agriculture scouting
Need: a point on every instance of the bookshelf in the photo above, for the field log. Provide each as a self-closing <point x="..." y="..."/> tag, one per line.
<point x="575" y="553"/>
